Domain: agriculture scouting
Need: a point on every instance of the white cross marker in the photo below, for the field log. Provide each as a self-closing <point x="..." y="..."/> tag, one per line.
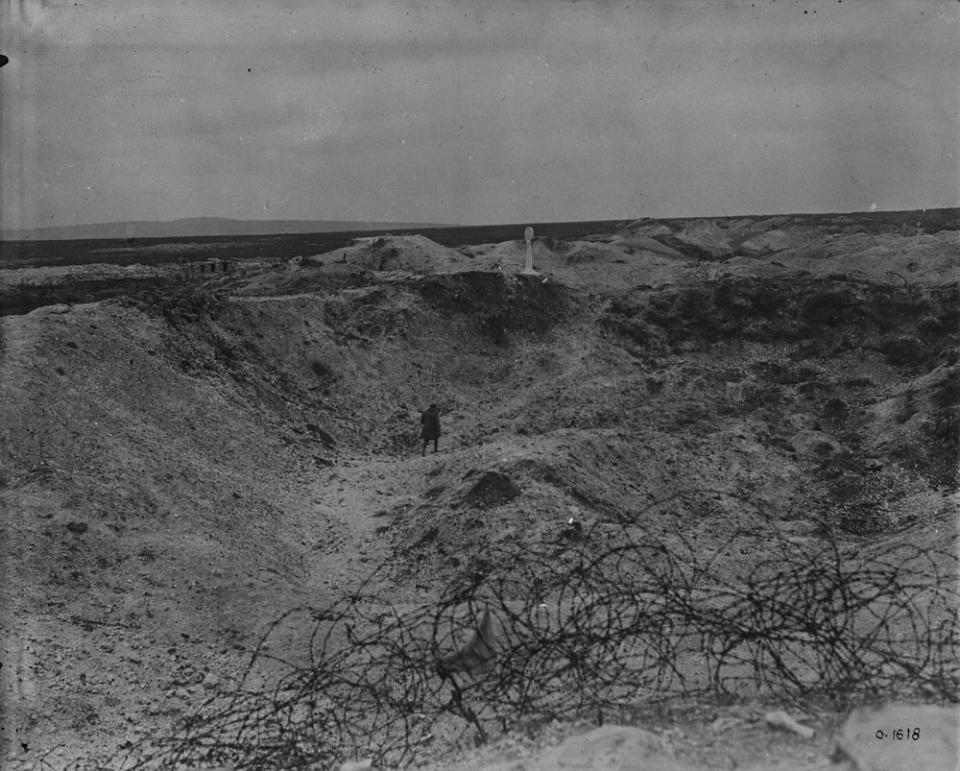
<point x="528" y="237"/>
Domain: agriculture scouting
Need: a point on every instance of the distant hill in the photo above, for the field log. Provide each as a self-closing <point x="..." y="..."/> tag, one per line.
<point x="198" y="226"/>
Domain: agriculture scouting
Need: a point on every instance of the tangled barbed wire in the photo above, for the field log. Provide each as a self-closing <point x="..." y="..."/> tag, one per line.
<point x="603" y="619"/>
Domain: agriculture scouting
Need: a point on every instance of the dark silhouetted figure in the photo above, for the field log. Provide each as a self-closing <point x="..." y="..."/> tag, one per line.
<point x="430" y="420"/>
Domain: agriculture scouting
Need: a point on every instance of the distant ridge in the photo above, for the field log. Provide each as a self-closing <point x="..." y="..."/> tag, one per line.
<point x="199" y="226"/>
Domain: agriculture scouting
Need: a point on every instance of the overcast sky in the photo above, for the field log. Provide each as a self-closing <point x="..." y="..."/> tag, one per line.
<point x="459" y="111"/>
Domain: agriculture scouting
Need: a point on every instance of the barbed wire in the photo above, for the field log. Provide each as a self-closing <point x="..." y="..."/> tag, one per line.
<point x="604" y="619"/>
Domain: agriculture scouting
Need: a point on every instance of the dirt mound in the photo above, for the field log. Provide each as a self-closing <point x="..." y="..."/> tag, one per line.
<point x="887" y="258"/>
<point x="703" y="239"/>
<point x="694" y="239"/>
<point x="766" y="243"/>
<point x="639" y="243"/>
<point x="298" y="277"/>
<point x="141" y="499"/>
<point x="590" y="253"/>
<point x="414" y="254"/>
<point x="510" y="256"/>
<point x="491" y="489"/>
<point x="606" y="264"/>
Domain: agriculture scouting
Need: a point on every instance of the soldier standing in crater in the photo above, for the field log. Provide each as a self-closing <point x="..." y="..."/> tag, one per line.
<point x="430" y="420"/>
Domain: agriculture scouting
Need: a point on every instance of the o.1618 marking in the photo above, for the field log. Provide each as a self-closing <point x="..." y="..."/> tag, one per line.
<point x="899" y="734"/>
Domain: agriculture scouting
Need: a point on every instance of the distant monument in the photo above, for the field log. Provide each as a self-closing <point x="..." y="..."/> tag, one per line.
<point x="528" y="237"/>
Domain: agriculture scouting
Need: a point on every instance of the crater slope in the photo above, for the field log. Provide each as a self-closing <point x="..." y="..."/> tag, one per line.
<point x="185" y="461"/>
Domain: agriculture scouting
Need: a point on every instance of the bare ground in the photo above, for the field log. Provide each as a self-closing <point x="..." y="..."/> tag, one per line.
<point x="183" y="463"/>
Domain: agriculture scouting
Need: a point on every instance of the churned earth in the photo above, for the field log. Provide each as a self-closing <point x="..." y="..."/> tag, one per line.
<point x="190" y="457"/>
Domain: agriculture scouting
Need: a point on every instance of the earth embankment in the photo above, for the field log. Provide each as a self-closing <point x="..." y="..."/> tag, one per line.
<point x="185" y="461"/>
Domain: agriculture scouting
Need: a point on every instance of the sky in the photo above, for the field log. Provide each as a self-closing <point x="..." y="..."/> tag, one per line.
<point x="467" y="112"/>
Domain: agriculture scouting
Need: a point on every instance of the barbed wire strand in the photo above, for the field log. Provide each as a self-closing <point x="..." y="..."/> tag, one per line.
<point x="598" y="623"/>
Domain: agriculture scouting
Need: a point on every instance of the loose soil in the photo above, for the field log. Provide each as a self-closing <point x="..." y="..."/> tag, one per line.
<point x="186" y="456"/>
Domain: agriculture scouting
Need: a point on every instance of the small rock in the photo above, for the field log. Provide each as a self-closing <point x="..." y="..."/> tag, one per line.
<point x="210" y="681"/>
<point x="724" y="723"/>
<point x="77" y="527"/>
<point x="781" y="719"/>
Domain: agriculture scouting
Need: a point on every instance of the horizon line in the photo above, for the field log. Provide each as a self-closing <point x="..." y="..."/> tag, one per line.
<point x="519" y="223"/>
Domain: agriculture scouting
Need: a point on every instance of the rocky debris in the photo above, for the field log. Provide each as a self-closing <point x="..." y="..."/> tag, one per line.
<point x="780" y="719"/>
<point x="895" y="737"/>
